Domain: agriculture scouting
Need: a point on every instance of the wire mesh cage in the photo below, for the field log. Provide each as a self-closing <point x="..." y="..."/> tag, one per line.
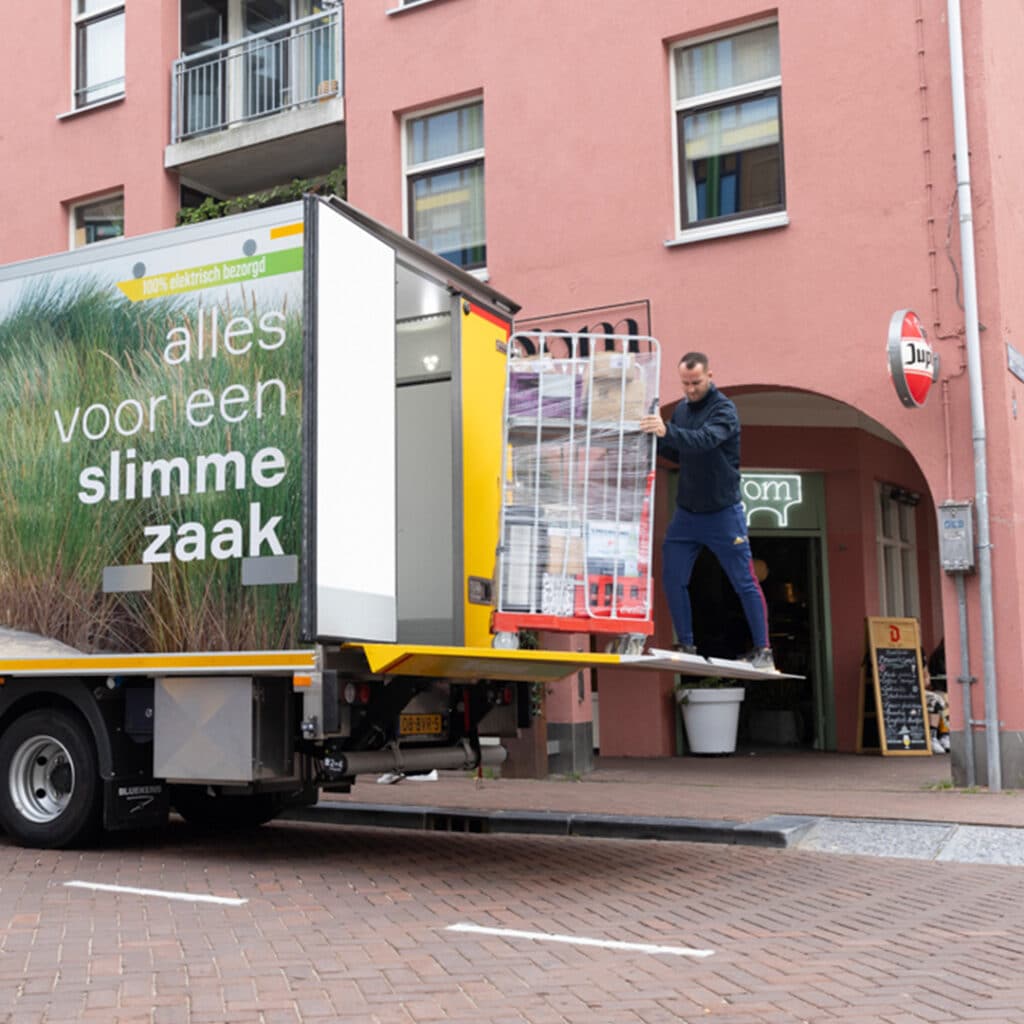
<point x="578" y="476"/>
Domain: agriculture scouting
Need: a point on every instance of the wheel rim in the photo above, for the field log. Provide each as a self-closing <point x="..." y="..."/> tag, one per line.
<point x="41" y="779"/>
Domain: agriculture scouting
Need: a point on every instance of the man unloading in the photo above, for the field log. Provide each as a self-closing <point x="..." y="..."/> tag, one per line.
<point x="703" y="437"/>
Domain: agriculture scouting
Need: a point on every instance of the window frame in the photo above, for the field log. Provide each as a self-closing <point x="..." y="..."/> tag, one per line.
<point x="111" y="9"/>
<point x="408" y="5"/>
<point x="745" y="220"/>
<point x="459" y="161"/>
<point x="905" y="587"/>
<point x="75" y="207"/>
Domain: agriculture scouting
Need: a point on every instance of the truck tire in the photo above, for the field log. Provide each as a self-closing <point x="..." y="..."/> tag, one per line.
<point x="50" y="792"/>
<point x="198" y="807"/>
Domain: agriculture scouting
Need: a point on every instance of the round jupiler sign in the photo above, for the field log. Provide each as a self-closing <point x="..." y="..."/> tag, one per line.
<point x="913" y="366"/>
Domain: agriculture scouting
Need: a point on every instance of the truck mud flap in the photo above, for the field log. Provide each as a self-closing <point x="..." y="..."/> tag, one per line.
<point x="135" y="803"/>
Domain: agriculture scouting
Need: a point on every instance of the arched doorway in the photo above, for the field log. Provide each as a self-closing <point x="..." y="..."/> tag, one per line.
<point x="826" y="572"/>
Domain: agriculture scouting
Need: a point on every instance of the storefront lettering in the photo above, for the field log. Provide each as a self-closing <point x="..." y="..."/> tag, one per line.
<point x="603" y="328"/>
<point x="562" y="344"/>
<point x="917" y="356"/>
<point x="775" y="493"/>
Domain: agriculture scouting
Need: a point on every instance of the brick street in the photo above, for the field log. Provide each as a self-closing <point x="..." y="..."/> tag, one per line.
<point x="352" y="924"/>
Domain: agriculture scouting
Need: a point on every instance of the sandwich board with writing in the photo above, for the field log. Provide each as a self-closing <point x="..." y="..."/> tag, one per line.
<point x="893" y="712"/>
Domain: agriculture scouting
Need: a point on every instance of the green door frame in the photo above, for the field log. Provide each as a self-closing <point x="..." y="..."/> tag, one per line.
<point x="808" y="520"/>
<point x="777" y="506"/>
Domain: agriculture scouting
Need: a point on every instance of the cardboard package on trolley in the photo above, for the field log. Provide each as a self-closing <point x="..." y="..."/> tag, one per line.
<point x="565" y="541"/>
<point x="555" y="387"/>
<point x="617" y="388"/>
<point x="612" y="382"/>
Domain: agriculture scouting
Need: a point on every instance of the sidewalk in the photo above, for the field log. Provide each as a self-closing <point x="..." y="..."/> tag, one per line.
<point x="769" y="797"/>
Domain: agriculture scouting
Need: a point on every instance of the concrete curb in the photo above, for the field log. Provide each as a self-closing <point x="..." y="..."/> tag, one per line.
<point x="916" y="840"/>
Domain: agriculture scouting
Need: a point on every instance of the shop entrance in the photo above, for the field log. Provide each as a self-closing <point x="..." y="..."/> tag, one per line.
<point x="786" y="525"/>
<point x="775" y="713"/>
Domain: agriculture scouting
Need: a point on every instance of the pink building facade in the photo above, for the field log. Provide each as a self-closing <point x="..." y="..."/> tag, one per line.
<point x="765" y="184"/>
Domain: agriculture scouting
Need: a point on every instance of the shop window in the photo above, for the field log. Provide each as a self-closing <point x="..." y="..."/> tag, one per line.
<point x="99" y="50"/>
<point x="444" y="175"/>
<point x="97" y="221"/>
<point x="896" y="539"/>
<point x="727" y="97"/>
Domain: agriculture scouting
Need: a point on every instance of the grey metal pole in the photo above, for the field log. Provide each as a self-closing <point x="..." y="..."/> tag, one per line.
<point x="963" y="188"/>
<point x="966" y="680"/>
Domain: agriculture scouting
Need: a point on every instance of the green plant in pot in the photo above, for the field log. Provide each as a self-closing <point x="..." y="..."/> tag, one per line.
<point x="686" y="683"/>
<point x="710" y="706"/>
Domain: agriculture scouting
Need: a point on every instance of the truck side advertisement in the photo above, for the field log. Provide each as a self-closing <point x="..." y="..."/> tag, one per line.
<point x="150" y="406"/>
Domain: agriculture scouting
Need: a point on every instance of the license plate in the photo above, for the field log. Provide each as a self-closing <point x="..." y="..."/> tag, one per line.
<point x="420" y="725"/>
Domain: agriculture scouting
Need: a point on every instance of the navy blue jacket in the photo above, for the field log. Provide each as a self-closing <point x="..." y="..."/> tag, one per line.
<point x="704" y="438"/>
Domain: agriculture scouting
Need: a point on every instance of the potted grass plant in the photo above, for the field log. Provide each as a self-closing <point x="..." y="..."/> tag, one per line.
<point x="710" y="708"/>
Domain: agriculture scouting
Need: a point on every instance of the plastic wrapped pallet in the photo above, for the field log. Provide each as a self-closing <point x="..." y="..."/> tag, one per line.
<point x="578" y="485"/>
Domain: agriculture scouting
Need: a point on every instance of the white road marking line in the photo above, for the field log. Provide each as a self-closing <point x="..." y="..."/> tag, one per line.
<point x="576" y="940"/>
<point x="189" y="897"/>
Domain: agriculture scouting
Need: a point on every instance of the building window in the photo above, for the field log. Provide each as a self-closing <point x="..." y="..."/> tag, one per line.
<point x="99" y="50"/>
<point x="444" y="174"/>
<point x="728" y="126"/>
<point x="97" y="221"/>
<point x="401" y="5"/>
<point x="896" y="540"/>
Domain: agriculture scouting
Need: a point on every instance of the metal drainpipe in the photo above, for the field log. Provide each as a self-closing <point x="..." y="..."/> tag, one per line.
<point x="966" y="680"/>
<point x="963" y="187"/>
<point x="965" y="675"/>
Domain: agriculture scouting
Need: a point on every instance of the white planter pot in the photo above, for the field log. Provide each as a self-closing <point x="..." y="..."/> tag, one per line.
<point x="711" y="718"/>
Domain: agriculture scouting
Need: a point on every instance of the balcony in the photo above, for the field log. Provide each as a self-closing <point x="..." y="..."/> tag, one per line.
<point x="259" y="111"/>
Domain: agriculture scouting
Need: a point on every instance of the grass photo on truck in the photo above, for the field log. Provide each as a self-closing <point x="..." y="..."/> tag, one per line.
<point x="158" y="436"/>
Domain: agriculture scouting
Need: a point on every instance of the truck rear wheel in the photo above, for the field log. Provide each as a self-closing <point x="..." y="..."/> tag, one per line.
<point x="50" y="794"/>
<point x="198" y="807"/>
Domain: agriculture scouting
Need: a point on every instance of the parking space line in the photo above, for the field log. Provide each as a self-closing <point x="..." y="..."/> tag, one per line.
<point x="578" y="940"/>
<point x="189" y="897"/>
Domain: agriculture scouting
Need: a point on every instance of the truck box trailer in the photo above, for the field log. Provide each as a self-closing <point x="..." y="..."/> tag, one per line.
<point x="249" y="512"/>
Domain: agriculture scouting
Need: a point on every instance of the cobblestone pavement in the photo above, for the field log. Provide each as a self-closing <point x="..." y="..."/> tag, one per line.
<point x="744" y="787"/>
<point x="354" y="925"/>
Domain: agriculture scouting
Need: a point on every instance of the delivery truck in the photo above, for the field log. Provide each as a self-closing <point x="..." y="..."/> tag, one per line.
<point x="250" y="503"/>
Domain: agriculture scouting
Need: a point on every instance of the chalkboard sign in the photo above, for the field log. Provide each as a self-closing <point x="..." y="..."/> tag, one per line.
<point x="900" y="713"/>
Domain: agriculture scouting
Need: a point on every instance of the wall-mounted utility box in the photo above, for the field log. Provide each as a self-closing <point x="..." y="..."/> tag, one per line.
<point x="956" y="536"/>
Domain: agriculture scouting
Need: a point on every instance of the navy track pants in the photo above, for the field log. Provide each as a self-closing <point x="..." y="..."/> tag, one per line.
<point x="724" y="533"/>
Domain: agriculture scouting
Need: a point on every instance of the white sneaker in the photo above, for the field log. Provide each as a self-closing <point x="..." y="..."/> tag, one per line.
<point x="760" y="657"/>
